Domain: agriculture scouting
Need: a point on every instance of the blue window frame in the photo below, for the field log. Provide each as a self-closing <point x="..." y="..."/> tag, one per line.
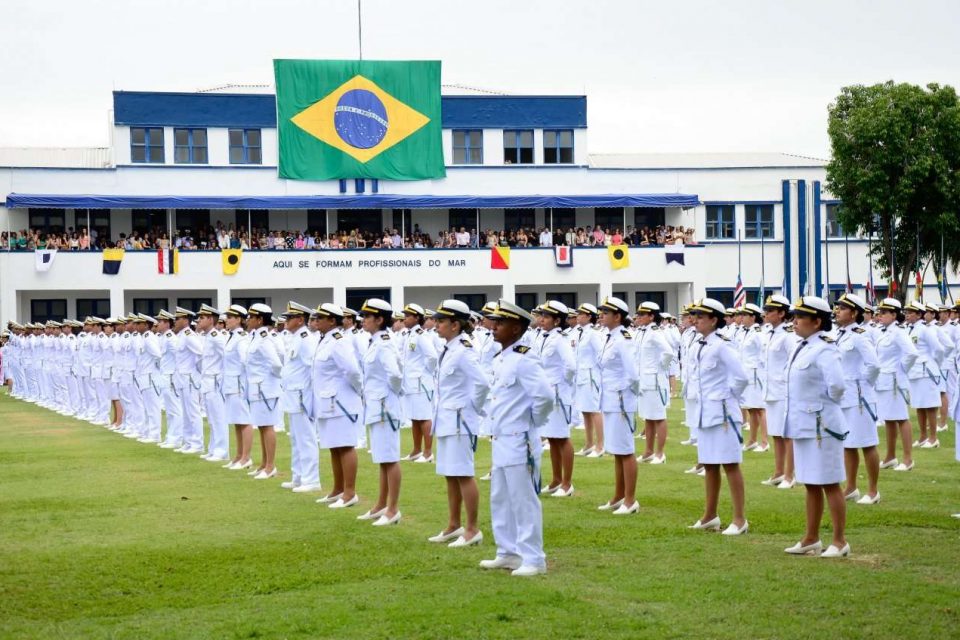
<point x="758" y="221"/>
<point x="834" y="228"/>
<point x="245" y="146"/>
<point x="468" y="146"/>
<point x="518" y="147"/>
<point x="190" y="146"/>
<point x="146" y="145"/>
<point x="721" y="223"/>
<point x="558" y="146"/>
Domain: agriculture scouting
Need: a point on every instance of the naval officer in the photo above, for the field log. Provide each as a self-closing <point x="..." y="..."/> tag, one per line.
<point x="297" y="401"/>
<point x="263" y="366"/>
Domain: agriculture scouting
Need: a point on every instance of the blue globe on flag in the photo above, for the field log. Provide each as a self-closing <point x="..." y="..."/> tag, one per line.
<point x="360" y="119"/>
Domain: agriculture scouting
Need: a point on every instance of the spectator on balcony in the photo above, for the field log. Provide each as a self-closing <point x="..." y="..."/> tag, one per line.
<point x="598" y="237"/>
<point x="546" y="238"/>
<point x="463" y="238"/>
<point x="616" y="238"/>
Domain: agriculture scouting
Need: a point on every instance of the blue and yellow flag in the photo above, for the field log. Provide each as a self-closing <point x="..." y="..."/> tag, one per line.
<point x="359" y="119"/>
<point x="112" y="259"/>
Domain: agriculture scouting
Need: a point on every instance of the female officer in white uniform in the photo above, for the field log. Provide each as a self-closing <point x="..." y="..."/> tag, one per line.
<point x="461" y="391"/>
<point x="556" y="356"/>
<point x="337" y="384"/>
<point x="896" y="355"/>
<point x="924" y="375"/>
<point x="619" y="386"/>
<point x="779" y="346"/>
<point x="720" y="379"/>
<point x="418" y="356"/>
<point x="382" y="382"/>
<point x="859" y="402"/>
<point x="588" y="342"/>
<point x="263" y="365"/>
<point x="654" y="355"/>
<point x="816" y="425"/>
<point x="751" y="356"/>
<point x="236" y="409"/>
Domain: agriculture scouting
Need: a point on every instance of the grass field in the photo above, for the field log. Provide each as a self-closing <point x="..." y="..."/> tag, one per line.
<point x="103" y="537"/>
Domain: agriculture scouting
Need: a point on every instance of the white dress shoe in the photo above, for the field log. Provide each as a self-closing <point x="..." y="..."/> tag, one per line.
<point x="169" y="445"/>
<point x="383" y="520"/>
<point x="212" y="458"/>
<point x="692" y="470"/>
<point x="642" y="459"/>
<point x="340" y="504"/>
<point x="833" y="552"/>
<point x="230" y="464"/>
<point x="254" y="472"/>
<point x="661" y="459"/>
<point x="734" y="530"/>
<point x="372" y="515"/>
<point x="410" y="457"/>
<point x="709" y="525"/>
<point x="763" y="448"/>
<point x="485" y="477"/>
<point x="148" y="440"/>
<point x="191" y="450"/>
<point x="903" y="467"/>
<point x="772" y="481"/>
<point x="329" y="499"/>
<point x="549" y="490"/>
<point x="583" y="452"/>
<point x="702" y="472"/>
<point x="134" y="435"/>
<point x="446" y="537"/>
<point x="867" y="499"/>
<point x="853" y="495"/>
<point x="688" y="442"/>
<point x="463" y="542"/>
<point x="307" y="488"/>
<point x="750" y="446"/>
<point x="610" y="506"/>
<point x="919" y="443"/>
<point x="560" y="493"/>
<point x="956" y="515"/>
<point x="289" y="484"/>
<point x="239" y="466"/>
<point x="801" y="549"/>
<point x="502" y="562"/>
<point x="527" y="570"/>
<point x="263" y="475"/>
<point x="935" y="444"/>
<point x="205" y="456"/>
<point x="787" y="484"/>
<point x="890" y="464"/>
<point x="596" y="453"/>
<point x="624" y="510"/>
<point x="942" y="429"/>
<point x="424" y="459"/>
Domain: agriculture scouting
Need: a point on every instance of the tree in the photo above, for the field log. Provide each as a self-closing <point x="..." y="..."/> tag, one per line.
<point x="896" y="169"/>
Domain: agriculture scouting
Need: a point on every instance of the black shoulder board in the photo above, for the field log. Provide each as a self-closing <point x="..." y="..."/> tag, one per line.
<point x="655" y="327"/>
<point x="303" y="334"/>
<point x="757" y="327"/>
<point x="467" y="343"/>
<point x="214" y="333"/>
<point x="384" y="336"/>
<point x="337" y="336"/>
<point x="521" y="348"/>
<point x="419" y="330"/>
<point x="827" y="339"/>
<point x="187" y="331"/>
<point x="626" y="334"/>
<point x="724" y="338"/>
<point x="788" y="329"/>
<point x="263" y="333"/>
<point x="859" y="330"/>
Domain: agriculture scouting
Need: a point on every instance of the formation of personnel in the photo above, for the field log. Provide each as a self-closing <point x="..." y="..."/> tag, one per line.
<point x="818" y="380"/>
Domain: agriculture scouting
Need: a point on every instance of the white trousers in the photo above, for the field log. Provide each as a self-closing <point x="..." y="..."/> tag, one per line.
<point x="132" y="406"/>
<point x="174" y="408"/>
<point x="151" y="402"/>
<point x="517" y="515"/>
<point x="73" y="393"/>
<point x="213" y="403"/>
<point x="101" y="411"/>
<point x="192" y="421"/>
<point x="304" y="454"/>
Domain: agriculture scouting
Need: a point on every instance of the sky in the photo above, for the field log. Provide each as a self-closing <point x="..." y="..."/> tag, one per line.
<point x="660" y="77"/>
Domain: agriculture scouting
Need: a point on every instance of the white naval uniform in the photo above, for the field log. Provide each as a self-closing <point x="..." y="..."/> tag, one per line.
<point x="924" y="375"/>
<point x="170" y="395"/>
<point x="691" y="409"/>
<point x="588" y="343"/>
<point x="895" y="355"/>
<point x="777" y="351"/>
<point x="418" y="356"/>
<point x="654" y="355"/>
<point x="751" y="356"/>
<point x="462" y="388"/>
<point x="263" y="366"/>
<point x="85" y="360"/>
<point x="101" y="373"/>
<point x="486" y="351"/>
<point x="148" y="380"/>
<point x="813" y="417"/>
<point x="382" y="382"/>
<point x="337" y="383"/>
<point x="130" y="398"/>
<point x="297" y="403"/>
<point x="720" y="380"/>
<point x="236" y="409"/>
<point x="521" y="401"/>
<point x="187" y="382"/>
<point x="944" y="334"/>
<point x="619" y="386"/>
<point x="211" y="391"/>
<point x="860" y="370"/>
<point x="556" y="358"/>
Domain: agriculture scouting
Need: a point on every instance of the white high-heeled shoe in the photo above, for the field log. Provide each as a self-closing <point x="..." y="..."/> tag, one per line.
<point x="833" y="552"/>
<point x="384" y="521"/>
<point x="624" y="510"/>
<point x="610" y="506"/>
<point x="709" y="525"/>
<point x="734" y="530"/>
<point x="340" y="504"/>
<point x="372" y="515"/>
<point x="889" y="464"/>
<point x="867" y="499"/>
<point x="263" y="475"/>
<point x="801" y="549"/>
<point x="852" y="496"/>
<point x="446" y="537"/>
<point x="560" y="493"/>
<point x="463" y="542"/>
<point x="329" y="499"/>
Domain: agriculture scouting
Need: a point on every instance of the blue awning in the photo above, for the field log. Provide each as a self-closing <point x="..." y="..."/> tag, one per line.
<point x="372" y="201"/>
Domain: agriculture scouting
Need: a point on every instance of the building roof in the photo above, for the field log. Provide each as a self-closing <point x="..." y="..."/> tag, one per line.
<point x="700" y="160"/>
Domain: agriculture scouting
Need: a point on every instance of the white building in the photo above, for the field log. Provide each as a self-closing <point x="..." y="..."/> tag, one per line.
<point x="178" y="160"/>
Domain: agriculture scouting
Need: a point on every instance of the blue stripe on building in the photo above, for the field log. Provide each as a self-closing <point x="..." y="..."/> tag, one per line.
<point x="802" y="235"/>
<point x="787" y="271"/>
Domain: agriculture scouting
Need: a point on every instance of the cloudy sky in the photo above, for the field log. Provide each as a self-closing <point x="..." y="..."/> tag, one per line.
<point x="660" y="76"/>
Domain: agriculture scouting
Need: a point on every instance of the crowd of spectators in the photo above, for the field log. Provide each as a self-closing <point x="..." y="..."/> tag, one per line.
<point x="230" y="237"/>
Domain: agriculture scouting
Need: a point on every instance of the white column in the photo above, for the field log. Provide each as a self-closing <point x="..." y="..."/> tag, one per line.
<point x="684" y="295"/>
<point x="604" y="289"/>
<point x="222" y="301"/>
<point x="508" y="292"/>
<point x="8" y="295"/>
<point x="116" y="301"/>
<point x="340" y="295"/>
<point x="396" y="297"/>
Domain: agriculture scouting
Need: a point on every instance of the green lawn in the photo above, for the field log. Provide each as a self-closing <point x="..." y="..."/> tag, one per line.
<point x="103" y="537"/>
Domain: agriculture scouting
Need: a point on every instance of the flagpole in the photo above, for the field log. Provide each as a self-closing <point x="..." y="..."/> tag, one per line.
<point x="826" y="252"/>
<point x="943" y="274"/>
<point x="892" y="285"/>
<point x="360" y="28"/>
<point x="739" y="269"/>
<point x="846" y="250"/>
<point x="918" y="290"/>
<point x="762" y="268"/>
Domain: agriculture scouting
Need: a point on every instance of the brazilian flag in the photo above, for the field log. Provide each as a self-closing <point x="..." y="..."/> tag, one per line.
<point x="359" y="119"/>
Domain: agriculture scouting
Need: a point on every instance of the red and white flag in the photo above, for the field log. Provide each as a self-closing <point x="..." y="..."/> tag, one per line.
<point x="563" y="256"/>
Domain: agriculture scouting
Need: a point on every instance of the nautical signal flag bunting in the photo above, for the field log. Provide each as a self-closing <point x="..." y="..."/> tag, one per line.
<point x="500" y="258"/>
<point x="231" y="260"/>
<point x="359" y="119"/>
<point x="111" y="261"/>
<point x="619" y="256"/>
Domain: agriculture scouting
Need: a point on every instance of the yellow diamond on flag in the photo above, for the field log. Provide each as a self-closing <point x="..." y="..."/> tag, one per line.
<point x="360" y="119"/>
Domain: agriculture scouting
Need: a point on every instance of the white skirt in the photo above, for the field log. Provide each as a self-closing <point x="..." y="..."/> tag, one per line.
<point x="819" y="462"/>
<point x="862" y="428"/>
<point x="651" y="404"/>
<point x="719" y="445"/>
<point x="236" y="409"/>
<point x="617" y="436"/>
<point x="266" y="414"/>
<point x="891" y="406"/>
<point x="753" y="394"/>
<point x="587" y="398"/>
<point x="557" y="426"/>
<point x="336" y="432"/>
<point x="924" y="394"/>
<point x="454" y="456"/>
<point x="416" y="406"/>
<point x="691" y="414"/>
<point x="776" y="417"/>
<point x="384" y="443"/>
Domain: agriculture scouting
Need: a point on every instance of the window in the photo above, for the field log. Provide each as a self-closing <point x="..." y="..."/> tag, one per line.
<point x="193" y="303"/>
<point x="566" y="297"/>
<point x="723" y="296"/>
<point x="148" y="220"/>
<point x="651" y="217"/>
<point x="473" y="300"/>
<point x="402" y="221"/>
<point x="652" y="296"/>
<point x="245" y="146"/>
<point x="192" y="222"/>
<point x="758" y="221"/>
<point x="834" y="228"/>
<point x="466" y="218"/>
<point x="43" y="310"/>
<point x="48" y="220"/>
<point x="620" y="294"/>
<point x="99" y="307"/>
<point x="526" y="300"/>
<point x="356" y="297"/>
<point x="563" y="218"/>
<point x="317" y="221"/>
<point x="248" y="302"/>
<point x="518" y="147"/>
<point x="720" y="222"/>
<point x="149" y="306"/>
<point x="519" y="218"/>
<point x="190" y="146"/>
<point x="99" y="223"/>
<point x="365" y="220"/>
<point x="252" y="219"/>
<point x="146" y="145"/>
<point x="608" y="218"/>
<point x="467" y="146"/>
<point x="558" y="146"/>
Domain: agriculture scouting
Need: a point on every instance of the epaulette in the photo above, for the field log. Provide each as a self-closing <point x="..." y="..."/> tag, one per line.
<point x="626" y="334"/>
<point x="757" y="328"/>
<point x="263" y="333"/>
<point x="419" y="330"/>
<point x="214" y="333"/>
<point x="724" y="338"/>
<point x="467" y="343"/>
<point x="788" y="329"/>
<point x="859" y="330"/>
<point x="521" y="348"/>
<point x="337" y="336"/>
<point x="384" y="336"/>
<point x="827" y="339"/>
<point x="655" y="327"/>
<point x="187" y="332"/>
<point x="304" y="333"/>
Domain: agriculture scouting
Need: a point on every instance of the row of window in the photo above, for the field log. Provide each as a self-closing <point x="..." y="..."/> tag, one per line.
<point x="190" y="146"/>
<point x="517" y="146"/>
<point x="758" y="221"/>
